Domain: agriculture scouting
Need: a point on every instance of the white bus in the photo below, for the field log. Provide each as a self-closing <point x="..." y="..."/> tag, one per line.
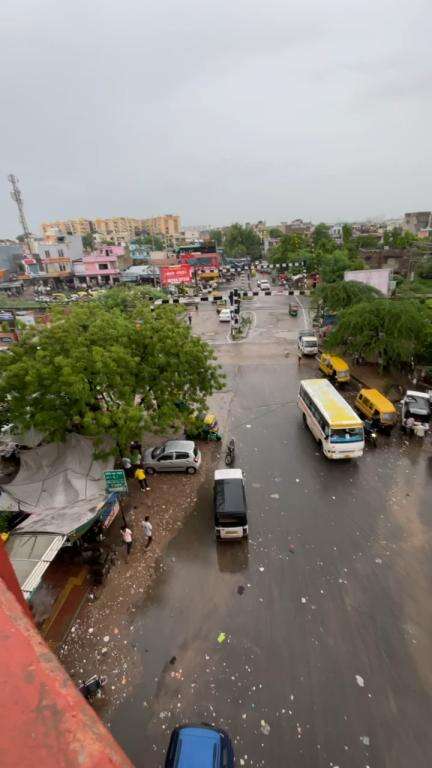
<point x="331" y="419"/>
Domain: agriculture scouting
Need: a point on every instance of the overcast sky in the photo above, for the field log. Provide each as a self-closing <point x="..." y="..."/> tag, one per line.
<point x="222" y="111"/>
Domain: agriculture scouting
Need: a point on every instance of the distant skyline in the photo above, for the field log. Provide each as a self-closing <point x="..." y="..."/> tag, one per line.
<point x="225" y="112"/>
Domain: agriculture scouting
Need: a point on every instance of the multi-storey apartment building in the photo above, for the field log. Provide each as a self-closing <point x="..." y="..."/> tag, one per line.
<point x="167" y="225"/>
<point x="68" y="227"/>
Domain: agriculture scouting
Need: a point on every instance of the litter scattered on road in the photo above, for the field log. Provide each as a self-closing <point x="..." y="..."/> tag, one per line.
<point x="221" y="637"/>
<point x="274" y="495"/>
<point x="359" y="681"/>
<point x="365" y="740"/>
<point x="265" y="728"/>
<point x="240" y="589"/>
<point x="106" y="639"/>
<point x="261" y="568"/>
<point x="304" y="599"/>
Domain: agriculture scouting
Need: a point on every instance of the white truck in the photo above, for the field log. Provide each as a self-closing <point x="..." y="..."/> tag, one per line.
<point x="307" y="342"/>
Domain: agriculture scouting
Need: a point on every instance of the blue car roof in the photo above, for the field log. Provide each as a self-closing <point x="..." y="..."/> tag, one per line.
<point x="198" y="748"/>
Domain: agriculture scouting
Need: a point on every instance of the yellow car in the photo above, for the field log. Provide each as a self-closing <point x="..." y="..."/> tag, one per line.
<point x="335" y="368"/>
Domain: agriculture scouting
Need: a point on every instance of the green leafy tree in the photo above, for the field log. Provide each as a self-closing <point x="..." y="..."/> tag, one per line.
<point x="395" y="333"/>
<point x="88" y="241"/>
<point x="216" y="236"/>
<point x="151" y="242"/>
<point x="322" y="240"/>
<point x="333" y="265"/>
<point x="369" y="241"/>
<point x="397" y="238"/>
<point x="106" y="371"/>
<point x="241" y="241"/>
<point x="275" y="232"/>
<point x="341" y="295"/>
<point x="347" y="234"/>
<point x="291" y="249"/>
<point x="424" y="269"/>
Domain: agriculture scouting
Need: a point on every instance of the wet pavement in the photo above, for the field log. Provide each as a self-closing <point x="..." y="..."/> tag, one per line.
<point x="325" y="656"/>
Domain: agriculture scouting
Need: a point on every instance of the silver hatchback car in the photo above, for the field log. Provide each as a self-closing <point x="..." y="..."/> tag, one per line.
<point x="173" y="456"/>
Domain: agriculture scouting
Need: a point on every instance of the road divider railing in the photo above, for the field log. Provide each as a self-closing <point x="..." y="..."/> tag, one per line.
<point x="191" y="300"/>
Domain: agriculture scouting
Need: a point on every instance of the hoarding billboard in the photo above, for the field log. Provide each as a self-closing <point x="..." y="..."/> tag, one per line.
<point x="182" y="273"/>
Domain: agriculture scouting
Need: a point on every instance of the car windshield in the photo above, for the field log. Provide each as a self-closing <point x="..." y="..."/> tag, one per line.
<point x="309" y="343"/>
<point x="347" y="435"/>
<point x="157" y="452"/>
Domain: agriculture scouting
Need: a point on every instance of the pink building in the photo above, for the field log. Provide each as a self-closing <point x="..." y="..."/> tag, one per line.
<point x="99" y="267"/>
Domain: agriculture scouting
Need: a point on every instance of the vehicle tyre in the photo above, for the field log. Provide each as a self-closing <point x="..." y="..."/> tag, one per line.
<point x="228" y="459"/>
<point x="149" y="471"/>
<point x="190" y="471"/>
<point x="304" y="420"/>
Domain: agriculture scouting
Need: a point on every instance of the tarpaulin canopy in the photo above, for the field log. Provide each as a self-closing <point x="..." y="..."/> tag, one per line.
<point x="30" y="555"/>
<point x="60" y="485"/>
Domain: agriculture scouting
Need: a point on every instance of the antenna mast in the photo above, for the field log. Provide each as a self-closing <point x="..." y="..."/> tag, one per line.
<point x="17" y="197"/>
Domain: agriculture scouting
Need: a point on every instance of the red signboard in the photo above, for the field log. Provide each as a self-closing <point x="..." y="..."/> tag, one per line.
<point x="182" y="273"/>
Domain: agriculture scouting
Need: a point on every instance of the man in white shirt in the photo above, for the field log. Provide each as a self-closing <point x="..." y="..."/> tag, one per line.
<point x="148" y="531"/>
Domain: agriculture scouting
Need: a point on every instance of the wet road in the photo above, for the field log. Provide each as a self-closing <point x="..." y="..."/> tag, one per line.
<point x="327" y="659"/>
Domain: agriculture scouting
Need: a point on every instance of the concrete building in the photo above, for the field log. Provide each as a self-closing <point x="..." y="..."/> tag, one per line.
<point x="296" y="227"/>
<point x="167" y="225"/>
<point x="57" y="254"/>
<point x="336" y="233"/>
<point x="99" y="267"/>
<point x="11" y="256"/>
<point x="69" y="226"/>
<point x="414" y="222"/>
<point x="120" y="229"/>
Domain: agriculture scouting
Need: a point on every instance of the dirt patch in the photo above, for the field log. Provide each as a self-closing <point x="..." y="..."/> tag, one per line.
<point x="100" y="640"/>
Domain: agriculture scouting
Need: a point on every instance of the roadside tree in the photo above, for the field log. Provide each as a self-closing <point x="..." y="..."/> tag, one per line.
<point x="322" y="240"/>
<point x="333" y="265"/>
<point x="99" y="371"/>
<point x="395" y="333"/>
<point x="341" y="295"/>
<point x="241" y="241"/>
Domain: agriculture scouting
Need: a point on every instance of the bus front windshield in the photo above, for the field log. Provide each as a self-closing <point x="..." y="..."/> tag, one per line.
<point x="347" y="435"/>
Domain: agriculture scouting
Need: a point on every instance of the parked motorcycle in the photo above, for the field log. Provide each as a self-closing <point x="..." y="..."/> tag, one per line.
<point x="91" y="687"/>
<point x="371" y="434"/>
<point x="230" y="453"/>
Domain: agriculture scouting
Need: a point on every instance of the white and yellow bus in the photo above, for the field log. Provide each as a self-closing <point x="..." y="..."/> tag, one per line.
<point x="331" y="419"/>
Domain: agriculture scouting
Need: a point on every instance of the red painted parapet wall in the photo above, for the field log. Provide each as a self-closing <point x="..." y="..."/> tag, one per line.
<point x="46" y="722"/>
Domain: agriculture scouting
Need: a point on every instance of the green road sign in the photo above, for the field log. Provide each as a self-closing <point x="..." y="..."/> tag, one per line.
<point x="115" y="480"/>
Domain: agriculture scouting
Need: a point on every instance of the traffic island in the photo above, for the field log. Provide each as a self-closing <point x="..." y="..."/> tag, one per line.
<point x="240" y="331"/>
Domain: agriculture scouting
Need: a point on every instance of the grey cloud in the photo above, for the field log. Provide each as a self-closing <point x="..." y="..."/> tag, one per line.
<point x="236" y="110"/>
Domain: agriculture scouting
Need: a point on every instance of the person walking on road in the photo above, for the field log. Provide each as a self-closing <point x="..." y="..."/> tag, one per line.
<point x="140" y="475"/>
<point x="127" y="539"/>
<point x="190" y="318"/>
<point x="148" y="531"/>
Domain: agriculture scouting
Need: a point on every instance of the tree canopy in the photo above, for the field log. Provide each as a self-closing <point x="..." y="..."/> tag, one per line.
<point x="275" y="232"/>
<point x="88" y="241"/>
<point x="333" y="265"/>
<point x="152" y="242"/>
<point x="241" y="241"/>
<point x="395" y="333"/>
<point x="341" y="295"/>
<point x="216" y="236"/>
<point x="397" y="238"/>
<point x="322" y="239"/>
<point x="106" y="370"/>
